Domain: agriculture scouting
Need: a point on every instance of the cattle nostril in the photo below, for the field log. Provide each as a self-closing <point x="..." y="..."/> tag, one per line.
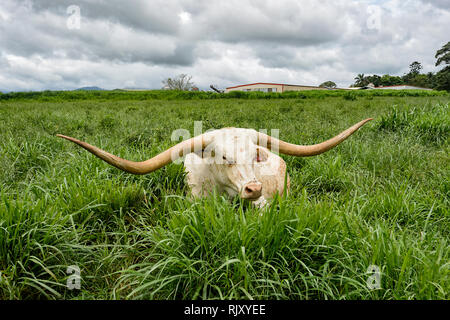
<point x="252" y="191"/>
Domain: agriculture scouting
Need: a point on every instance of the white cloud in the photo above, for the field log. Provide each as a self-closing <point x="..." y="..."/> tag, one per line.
<point x="185" y="17"/>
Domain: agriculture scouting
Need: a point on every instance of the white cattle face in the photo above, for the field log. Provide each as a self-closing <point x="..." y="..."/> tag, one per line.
<point x="232" y="157"/>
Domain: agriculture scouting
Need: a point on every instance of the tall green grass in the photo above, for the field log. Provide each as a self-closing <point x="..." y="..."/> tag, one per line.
<point x="380" y="198"/>
<point x="432" y="124"/>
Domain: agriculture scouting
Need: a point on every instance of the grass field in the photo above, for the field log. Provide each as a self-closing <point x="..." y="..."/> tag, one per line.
<point x="380" y="198"/>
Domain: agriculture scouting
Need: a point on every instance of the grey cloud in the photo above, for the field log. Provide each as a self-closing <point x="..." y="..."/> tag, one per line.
<point x="60" y="74"/>
<point x="46" y="34"/>
<point x="303" y="58"/>
<point x="443" y="4"/>
<point x="296" y="23"/>
<point x="160" y="16"/>
<point x="299" y="23"/>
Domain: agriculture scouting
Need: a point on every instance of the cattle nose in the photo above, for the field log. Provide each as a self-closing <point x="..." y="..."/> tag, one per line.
<point x="252" y="190"/>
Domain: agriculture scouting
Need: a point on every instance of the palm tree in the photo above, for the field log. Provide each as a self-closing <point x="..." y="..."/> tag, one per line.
<point x="442" y="78"/>
<point x="443" y="54"/>
<point x="359" y="80"/>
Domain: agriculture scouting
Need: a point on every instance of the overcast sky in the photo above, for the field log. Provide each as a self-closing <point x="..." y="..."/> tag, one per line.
<point x="137" y="43"/>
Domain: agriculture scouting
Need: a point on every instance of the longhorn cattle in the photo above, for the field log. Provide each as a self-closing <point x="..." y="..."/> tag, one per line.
<point x="233" y="161"/>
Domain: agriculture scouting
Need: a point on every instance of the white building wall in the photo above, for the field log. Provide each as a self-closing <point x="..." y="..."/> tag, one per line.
<point x="257" y="87"/>
<point x="272" y="87"/>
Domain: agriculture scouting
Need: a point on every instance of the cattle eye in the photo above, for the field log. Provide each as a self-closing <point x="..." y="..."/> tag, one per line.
<point x="261" y="155"/>
<point x="224" y="158"/>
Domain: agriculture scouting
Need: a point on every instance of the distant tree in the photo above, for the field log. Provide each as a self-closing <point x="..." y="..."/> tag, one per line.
<point x="375" y="79"/>
<point x="443" y="55"/>
<point x="411" y="77"/>
<point x="360" y="82"/>
<point x="442" y="78"/>
<point x="388" y="80"/>
<point x="328" y="84"/>
<point x="415" y="67"/>
<point x="181" y="82"/>
<point x="421" y="80"/>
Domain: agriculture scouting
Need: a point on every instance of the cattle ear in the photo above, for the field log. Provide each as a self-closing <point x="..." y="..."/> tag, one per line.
<point x="261" y="155"/>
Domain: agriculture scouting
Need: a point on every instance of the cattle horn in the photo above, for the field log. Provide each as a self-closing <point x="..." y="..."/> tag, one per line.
<point x="191" y="145"/>
<point x="311" y="150"/>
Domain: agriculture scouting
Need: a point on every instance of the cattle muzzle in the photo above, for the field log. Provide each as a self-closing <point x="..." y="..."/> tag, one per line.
<point x="251" y="191"/>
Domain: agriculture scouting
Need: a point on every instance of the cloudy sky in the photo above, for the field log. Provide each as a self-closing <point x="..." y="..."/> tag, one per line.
<point x="112" y="44"/>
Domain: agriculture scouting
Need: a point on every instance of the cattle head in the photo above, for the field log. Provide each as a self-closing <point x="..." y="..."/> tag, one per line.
<point x="231" y="154"/>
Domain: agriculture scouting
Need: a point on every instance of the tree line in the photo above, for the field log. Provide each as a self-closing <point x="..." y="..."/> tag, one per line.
<point x="439" y="80"/>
